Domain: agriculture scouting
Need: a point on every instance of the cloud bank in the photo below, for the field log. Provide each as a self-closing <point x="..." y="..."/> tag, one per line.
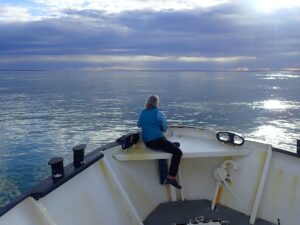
<point x="148" y="35"/>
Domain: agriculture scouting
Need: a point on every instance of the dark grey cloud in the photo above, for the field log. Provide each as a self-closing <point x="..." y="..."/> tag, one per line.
<point x="222" y="31"/>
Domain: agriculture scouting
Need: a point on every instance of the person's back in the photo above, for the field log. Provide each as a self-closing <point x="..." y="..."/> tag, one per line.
<point x="152" y="123"/>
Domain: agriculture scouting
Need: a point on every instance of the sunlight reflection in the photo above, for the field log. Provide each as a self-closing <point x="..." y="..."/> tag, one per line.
<point x="269" y="132"/>
<point x="277" y="76"/>
<point x="274" y="104"/>
<point x="279" y="133"/>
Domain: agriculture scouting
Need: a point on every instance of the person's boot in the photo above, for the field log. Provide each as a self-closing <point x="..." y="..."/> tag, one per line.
<point x="173" y="182"/>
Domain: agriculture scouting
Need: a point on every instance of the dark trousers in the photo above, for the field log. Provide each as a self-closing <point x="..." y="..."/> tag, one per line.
<point x="162" y="144"/>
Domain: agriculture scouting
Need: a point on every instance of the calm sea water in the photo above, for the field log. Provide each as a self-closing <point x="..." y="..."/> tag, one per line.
<point x="44" y="114"/>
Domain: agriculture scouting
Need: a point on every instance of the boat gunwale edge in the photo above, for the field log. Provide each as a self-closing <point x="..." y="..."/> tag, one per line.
<point x="47" y="185"/>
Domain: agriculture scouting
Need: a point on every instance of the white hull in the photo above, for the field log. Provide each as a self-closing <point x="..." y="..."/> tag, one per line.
<point x="124" y="188"/>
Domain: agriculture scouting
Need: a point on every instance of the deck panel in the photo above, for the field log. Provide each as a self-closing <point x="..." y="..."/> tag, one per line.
<point x="180" y="212"/>
<point x="191" y="148"/>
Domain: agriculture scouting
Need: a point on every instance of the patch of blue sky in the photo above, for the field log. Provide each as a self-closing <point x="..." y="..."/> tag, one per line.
<point x="15" y="2"/>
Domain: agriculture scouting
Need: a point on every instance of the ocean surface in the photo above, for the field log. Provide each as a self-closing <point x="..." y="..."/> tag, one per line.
<point x="44" y="114"/>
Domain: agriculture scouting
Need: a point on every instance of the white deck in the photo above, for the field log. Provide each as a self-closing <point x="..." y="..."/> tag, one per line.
<point x="266" y="184"/>
<point x="192" y="147"/>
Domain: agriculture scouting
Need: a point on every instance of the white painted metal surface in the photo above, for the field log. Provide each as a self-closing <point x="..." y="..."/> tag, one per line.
<point x="194" y="146"/>
<point x="25" y="213"/>
<point x="124" y="188"/>
<point x="261" y="186"/>
<point x="123" y="192"/>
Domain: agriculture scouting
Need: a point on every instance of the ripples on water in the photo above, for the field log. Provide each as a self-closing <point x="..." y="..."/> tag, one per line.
<point x="44" y="114"/>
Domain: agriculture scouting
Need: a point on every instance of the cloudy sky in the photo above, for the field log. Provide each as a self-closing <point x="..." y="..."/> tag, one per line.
<point x="150" y="34"/>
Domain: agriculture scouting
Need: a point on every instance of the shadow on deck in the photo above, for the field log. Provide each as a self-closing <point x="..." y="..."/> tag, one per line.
<point x="180" y="212"/>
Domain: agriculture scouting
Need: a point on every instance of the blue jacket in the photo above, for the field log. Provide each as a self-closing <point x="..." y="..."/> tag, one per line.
<point x="153" y="124"/>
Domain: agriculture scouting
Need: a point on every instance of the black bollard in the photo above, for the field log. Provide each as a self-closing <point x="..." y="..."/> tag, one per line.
<point x="57" y="168"/>
<point x="78" y="155"/>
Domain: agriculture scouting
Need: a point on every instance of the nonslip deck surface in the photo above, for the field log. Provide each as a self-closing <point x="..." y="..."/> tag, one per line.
<point x="180" y="212"/>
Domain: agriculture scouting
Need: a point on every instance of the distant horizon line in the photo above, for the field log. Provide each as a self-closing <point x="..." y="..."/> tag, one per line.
<point x="155" y="70"/>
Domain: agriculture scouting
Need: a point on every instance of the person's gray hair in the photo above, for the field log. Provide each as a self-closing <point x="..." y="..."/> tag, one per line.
<point x="152" y="102"/>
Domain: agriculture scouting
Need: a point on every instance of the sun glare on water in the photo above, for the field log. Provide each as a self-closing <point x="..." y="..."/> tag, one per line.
<point x="274" y="104"/>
